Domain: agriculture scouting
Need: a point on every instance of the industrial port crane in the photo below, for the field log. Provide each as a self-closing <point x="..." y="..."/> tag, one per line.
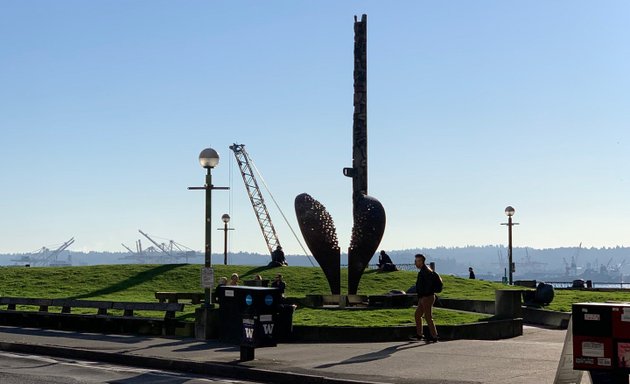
<point x="161" y="247"/>
<point x="160" y="252"/>
<point x="255" y="196"/>
<point x="46" y="257"/>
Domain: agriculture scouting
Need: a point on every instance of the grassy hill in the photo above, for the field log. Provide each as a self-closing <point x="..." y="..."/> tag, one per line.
<point x="136" y="282"/>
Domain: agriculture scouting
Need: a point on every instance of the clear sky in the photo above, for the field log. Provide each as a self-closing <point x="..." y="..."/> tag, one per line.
<point x="473" y="106"/>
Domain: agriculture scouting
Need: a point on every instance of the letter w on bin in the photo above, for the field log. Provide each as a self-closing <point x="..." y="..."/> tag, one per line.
<point x="258" y="331"/>
<point x="258" y="325"/>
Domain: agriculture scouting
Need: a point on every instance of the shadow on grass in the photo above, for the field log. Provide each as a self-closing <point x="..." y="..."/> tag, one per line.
<point x="257" y="270"/>
<point x="378" y="272"/>
<point x="138" y="279"/>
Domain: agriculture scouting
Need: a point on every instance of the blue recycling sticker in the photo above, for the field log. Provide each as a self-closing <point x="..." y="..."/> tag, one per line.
<point x="268" y="299"/>
<point x="249" y="300"/>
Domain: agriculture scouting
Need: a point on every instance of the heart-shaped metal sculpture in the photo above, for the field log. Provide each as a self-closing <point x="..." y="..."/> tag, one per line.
<point x="367" y="232"/>
<point x="319" y="232"/>
<point x="368" y="213"/>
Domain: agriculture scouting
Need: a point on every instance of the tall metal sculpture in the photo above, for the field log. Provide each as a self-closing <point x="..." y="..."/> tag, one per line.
<point x="368" y="213"/>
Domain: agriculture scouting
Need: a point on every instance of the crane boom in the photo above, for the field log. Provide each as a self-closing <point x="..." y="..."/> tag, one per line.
<point x="160" y="247"/>
<point x="255" y="197"/>
<point x="56" y="252"/>
<point x="127" y="248"/>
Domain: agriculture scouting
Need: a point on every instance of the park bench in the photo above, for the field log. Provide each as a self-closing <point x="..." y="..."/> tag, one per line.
<point x="19" y="312"/>
<point x="67" y="305"/>
<point x="175" y="297"/>
<point x="128" y="308"/>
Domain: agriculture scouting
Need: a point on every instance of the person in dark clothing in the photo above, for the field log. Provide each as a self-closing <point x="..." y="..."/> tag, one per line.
<point x="277" y="258"/>
<point x="471" y="273"/>
<point x="426" y="298"/>
<point x="279" y="283"/>
<point x="383" y="259"/>
<point x="385" y="263"/>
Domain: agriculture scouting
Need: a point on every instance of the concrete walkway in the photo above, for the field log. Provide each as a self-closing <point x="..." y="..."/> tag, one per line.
<point x="531" y="358"/>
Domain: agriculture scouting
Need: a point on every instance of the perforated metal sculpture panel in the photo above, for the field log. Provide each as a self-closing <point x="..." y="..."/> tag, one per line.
<point x="367" y="232"/>
<point x="319" y="232"/>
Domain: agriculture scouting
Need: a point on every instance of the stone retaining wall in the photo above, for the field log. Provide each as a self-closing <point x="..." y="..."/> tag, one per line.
<point x="479" y="306"/>
<point x="487" y="330"/>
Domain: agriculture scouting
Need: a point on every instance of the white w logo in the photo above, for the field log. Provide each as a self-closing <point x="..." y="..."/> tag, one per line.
<point x="249" y="333"/>
<point x="268" y="328"/>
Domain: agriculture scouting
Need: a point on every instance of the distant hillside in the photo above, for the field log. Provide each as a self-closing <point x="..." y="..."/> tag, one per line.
<point x="490" y="259"/>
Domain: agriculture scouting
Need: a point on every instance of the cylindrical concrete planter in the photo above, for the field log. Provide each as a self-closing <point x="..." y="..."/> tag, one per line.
<point x="508" y="304"/>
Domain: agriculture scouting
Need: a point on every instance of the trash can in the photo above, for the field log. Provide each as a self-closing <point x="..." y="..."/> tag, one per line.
<point x="237" y="303"/>
<point x="284" y="323"/>
<point x="507" y="304"/>
<point x="258" y="331"/>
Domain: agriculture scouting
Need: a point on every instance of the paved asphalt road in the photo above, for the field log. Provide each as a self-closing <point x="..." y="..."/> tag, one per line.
<point x="532" y="358"/>
<point x="31" y="369"/>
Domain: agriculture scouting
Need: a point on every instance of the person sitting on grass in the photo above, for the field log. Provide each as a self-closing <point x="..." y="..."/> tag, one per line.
<point x="385" y="263"/>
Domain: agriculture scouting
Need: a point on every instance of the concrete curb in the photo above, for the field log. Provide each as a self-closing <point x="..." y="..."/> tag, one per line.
<point x="487" y="330"/>
<point x="530" y="315"/>
<point x="227" y="370"/>
<point x="540" y="316"/>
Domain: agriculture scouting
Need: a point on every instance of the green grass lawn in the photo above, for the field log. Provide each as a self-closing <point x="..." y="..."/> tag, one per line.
<point x="565" y="297"/>
<point x="379" y="317"/>
<point x="136" y="282"/>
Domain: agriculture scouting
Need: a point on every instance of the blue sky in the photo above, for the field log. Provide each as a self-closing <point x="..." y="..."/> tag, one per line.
<point x="473" y="106"/>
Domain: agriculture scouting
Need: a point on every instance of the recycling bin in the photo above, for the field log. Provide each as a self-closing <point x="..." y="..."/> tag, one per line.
<point x="284" y="322"/>
<point x="248" y="311"/>
<point x="258" y="331"/>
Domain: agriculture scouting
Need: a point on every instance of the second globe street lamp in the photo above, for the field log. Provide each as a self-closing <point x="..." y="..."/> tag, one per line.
<point x="509" y="211"/>
<point x="225" y="229"/>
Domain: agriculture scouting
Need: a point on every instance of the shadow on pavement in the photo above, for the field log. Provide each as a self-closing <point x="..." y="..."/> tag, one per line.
<point x="153" y="379"/>
<point x="378" y="355"/>
<point x="74" y="335"/>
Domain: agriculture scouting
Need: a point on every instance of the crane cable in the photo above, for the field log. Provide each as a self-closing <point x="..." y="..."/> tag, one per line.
<point x="282" y="213"/>
<point x="230" y="201"/>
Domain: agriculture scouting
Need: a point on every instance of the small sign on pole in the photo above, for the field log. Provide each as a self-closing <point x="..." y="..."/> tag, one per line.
<point x="207" y="277"/>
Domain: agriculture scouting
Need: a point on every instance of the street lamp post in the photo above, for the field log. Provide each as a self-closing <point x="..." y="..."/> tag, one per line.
<point x="208" y="158"/>
<point x="225" y="229"/>
<point x="509" y="211"/>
